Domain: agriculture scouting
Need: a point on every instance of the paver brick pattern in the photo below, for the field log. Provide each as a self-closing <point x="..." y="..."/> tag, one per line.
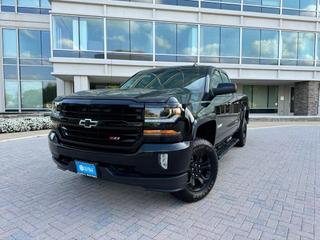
<point x="269" y="189"/>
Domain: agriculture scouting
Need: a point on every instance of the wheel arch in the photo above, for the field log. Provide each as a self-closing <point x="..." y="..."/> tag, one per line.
<point x="206" y="130"/>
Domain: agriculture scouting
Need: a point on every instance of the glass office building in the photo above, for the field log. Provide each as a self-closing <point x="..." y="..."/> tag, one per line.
<point x="271" y="48"/>
<point x="26" y="82"/>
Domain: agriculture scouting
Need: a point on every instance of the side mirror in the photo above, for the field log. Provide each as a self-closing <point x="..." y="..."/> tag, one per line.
<point x="224" y="88"/>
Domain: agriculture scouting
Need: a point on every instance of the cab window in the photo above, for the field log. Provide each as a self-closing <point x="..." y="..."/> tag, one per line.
<point x="225" y="78"/>
<point x="215" y="79"/>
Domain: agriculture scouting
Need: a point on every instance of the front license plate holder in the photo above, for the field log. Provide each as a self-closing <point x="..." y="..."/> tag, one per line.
<point x="86" y="169"/>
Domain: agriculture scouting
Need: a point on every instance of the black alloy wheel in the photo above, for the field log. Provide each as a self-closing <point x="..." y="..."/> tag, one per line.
<point x="202" y="173"/>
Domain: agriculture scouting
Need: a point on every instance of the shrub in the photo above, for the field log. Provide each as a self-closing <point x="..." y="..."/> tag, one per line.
<point x="24" y="124"/>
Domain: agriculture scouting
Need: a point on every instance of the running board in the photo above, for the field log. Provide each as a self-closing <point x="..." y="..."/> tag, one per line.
<point x="225" y="147"/>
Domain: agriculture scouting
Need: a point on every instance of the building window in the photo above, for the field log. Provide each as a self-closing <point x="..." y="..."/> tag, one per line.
<point x="230" y="45"/>
<point x="8" y="5"/>
<point x="262" y="99"/>
<point x="10" y="68"/>
<point x="260" y="46"/>
<point x="11" y="95"/>
<point x="210" y="44"/>
<point x="129" y="40"/>
<point x="265" y="6"/>
<point x="9" y="40"/>
<point x="176" y="42"/>
<point x="30" y="6"/>
<point x="299" y="7"/>
<point x="318" y="50"/>
<point x="141" y="40"/>
<point x="166" y="42"/>
<point x="187" y="41"/>
<point x="306" y="45"/>
<point x="222" y="4"/>
<point x="189" y="3"/>
<point x="34" y="88"/>
<point x="298" y="48"/>
<point x="30" y="46"/>
<point x="45" y="6"/>
<point x="65" y="36"/>
<point x="91" y="38"/>
<point x="219" y="44"/>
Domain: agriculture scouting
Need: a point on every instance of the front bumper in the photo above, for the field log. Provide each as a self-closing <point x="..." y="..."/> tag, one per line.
<point x="141" y="168"/>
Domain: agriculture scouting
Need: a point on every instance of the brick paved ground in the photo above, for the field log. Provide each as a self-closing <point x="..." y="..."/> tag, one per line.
<point x="268" y="190"/>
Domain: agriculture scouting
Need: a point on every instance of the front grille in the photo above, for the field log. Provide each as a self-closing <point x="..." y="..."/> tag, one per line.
<point x="119" y="127"/>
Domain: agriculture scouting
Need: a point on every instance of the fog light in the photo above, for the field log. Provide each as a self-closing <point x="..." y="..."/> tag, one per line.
<point x="163" y="159"/>
<point x="52" y="135"/>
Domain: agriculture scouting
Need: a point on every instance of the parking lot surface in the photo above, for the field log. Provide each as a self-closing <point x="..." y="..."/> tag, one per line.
<point x="269" y="189"/>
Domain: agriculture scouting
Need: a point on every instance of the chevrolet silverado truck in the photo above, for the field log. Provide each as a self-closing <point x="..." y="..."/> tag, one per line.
<point x="164" y="129"/>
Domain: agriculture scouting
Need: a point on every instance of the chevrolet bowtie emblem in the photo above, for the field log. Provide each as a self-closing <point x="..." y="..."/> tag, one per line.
<point x="88" y="123"/>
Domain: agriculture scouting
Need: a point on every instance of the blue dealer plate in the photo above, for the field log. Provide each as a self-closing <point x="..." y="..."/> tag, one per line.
<point x="86" y="169"/>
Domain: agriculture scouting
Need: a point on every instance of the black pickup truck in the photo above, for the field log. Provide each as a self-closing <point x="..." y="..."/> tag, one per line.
<point x="164" y="129"/>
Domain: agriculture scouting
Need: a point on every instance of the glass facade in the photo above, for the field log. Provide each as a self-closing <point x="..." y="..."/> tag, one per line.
<point x="176" y="42"/>
<point x="129" y="40"/>
<point x="133" y="40"/>
<point x="260" y="46"/>
<point x="262" y="99"/>
<point x="28" y="82"/>
<point x="298" y="48"/>
<point x="26" y="6"/>
<point x="289" y="7"/>
<point x="219" y="44"/>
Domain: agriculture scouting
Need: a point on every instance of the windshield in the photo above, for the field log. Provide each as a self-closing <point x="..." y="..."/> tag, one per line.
<point x="192" y="78"/>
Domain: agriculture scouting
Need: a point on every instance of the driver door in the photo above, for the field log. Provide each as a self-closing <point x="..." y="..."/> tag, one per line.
<point x="220" y="107"/>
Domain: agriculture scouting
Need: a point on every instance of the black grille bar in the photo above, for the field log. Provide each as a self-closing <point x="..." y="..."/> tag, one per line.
<point x="119" y="128"/>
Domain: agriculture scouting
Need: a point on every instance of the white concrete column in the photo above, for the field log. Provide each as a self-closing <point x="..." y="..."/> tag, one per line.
<point x="64" y="87"/>
<point x="60" y="87"/>
<point x="68" y="87"/>
<point x="81" y="83"/>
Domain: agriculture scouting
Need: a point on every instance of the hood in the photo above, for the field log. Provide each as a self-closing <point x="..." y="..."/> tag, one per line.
<point x="136" y="94"/>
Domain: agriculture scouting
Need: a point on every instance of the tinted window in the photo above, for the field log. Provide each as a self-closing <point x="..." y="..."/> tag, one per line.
<point x="9" y="43"/>
<point x="215" y="79"/>
<point x="118" y="35"/>
<point x="45" y="44"/>
<point x="166" y="38"/>
<point x="306" y="47"/>
<point x="225" y="78"/>
<point x="141" y="36"/>
<point x="260" y="46"/>
<point x="65" y="33"/>
<point x="31" y="94"/>
<point x="191" y="78"/>
<point x="269" y="46"/>
<point x="11" y="95"/>
<point x="230" y="44"/>
<point x="176" y="42"/>
<point x="166" y="42"/>
<point x="30" y="43"/>
<point x="209" y="41"/>
<point x="250" y="45"/>
<point x="45" y="4"/>
<point x="187" y="40"/>
<point x="289" y="48"/>
<point x="91" y="34"/>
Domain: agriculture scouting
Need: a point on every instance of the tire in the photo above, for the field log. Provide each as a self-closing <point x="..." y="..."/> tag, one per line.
<point x="202" y="174"/>
<point x="241" y="134"/>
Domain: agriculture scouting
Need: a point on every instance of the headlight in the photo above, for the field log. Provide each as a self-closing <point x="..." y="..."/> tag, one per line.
<point x="56" y="106"/>
<point x="166" y="114"/>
